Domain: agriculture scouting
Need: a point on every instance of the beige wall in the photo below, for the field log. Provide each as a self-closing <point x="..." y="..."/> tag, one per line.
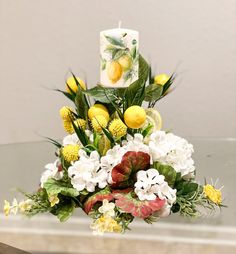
<point x="41" y="40"/>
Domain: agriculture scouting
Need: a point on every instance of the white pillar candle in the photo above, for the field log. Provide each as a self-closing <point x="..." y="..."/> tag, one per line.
<point x="119" y="57"/>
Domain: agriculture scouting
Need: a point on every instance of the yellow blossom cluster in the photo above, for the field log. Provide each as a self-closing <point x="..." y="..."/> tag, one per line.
<point x="13" y="208"/>
<point x="117" y="128"/>
<point x="70" y="152"/>
<point x="104" y="224"/>
<point x="213" y="194"/>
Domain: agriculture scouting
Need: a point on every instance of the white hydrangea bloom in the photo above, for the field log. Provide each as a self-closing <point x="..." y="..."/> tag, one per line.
<point x="86" y="172"/>
<point x="52" y="171"/>
<point x="172" y="150"/>
<point x="107" y="208"/>
<point x="136" y="144"/>
<point x="111" y="159"/>
<point x="70" y="140"/>
<point x="151" y="184"/>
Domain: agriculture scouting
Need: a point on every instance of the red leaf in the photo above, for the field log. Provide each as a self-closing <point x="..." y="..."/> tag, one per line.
<point x="99" y="196"/>
<point x="131" y="162"/>
<point x="129" y="203"/>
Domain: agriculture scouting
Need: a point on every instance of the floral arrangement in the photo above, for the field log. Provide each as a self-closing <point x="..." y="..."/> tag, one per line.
<point x="116" y="164"/>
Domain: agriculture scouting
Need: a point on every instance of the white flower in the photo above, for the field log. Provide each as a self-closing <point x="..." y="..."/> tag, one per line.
<point x="135" y="144"/>
<point x="107" y="208"/>
<point x="70" y="140"/>
<point x="86" y="172"/>
<point x="172" y="150"/>
<point x="111" y="159"/>
<point x="52" y="171"/>
<point x="151" y="184"/>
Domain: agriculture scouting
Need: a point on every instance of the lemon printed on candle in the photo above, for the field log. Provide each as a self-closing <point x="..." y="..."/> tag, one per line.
<point x="126" y="62"/>
<point x="119" y="60"/>
<point x="114" y="71"/>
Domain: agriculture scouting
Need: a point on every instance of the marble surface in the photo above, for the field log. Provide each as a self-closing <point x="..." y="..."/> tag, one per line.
<point x="22" y="164"/>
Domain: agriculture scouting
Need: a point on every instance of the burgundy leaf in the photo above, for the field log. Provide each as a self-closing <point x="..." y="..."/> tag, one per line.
<point x="129" y="203"/>
<point x="131" y="162"/>
<point x="97" y="197"/>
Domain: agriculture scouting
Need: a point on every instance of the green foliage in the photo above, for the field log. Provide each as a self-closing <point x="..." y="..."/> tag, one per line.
<point x="153" y="92"/>
<point x="55" y="187"/>
<point x="98" y="93"/>
<point x="80" y="100"/>
<point x="64" y="211"/>
<point x="135" y="93"/>
<point x="167" y="171"/>
<point x="40" y="202"/>
<point x="81" y="134"/>
<point x="115" y="41"/>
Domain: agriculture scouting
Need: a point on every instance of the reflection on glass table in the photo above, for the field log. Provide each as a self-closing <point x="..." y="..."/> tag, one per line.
<point x="22" y="165"/>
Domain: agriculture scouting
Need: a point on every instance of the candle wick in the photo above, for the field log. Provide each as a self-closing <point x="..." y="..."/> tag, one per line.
<point x="119" y="24"/>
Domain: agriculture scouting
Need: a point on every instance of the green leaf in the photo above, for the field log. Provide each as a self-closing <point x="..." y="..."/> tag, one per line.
<point x="135" y="93"/>
<point x="168" y="83"/>
<point x="167" y="171"/>
<point x="64" y="212"/>
<point x="118" y="54"/>
<point x="98" y="94"/>
<point x="133" y="52"/>
<point x="68" y="95"/>
<point x="81" y="101"/>
<point x="153" y="92"/>
<point x="188" y="188"/>
<point x="80" y="134"/>
<point x="115" y="41"/>
<point x="54" y="187"/>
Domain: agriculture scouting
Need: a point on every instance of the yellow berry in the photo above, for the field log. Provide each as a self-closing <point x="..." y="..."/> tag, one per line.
<point x="71" y="152"/>
<point x="114" y="71"/>
<point x="161" y="79"/>
<point x="81" y="123"/>
<point x="68" y="127"/>
<point x="73" y="86"/>
<point x="99" y="122"/>
<point x="135" y="117"/>
<point x="98" y="109"/>
<point x="66" y="113"/>
<point x="117" y="128"/>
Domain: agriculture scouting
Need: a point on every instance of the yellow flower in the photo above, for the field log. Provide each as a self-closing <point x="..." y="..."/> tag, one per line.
<point x="213" y="194"/>
<point x="6" y="208"/>
<point x="25" y="205"/>
<point x="68" y="127"/>
<point x="161" y="79"/>
<point x="99" y="122"/>
<point x="98" y="109"/>
<point x="66" y="113"/>
<point x="80" y="123"/>
<point x="73" y="86"/>
<point x="70" y="152"/>
<point x="105" y="224"/>
<point x="117" y="128"/>
<point x="135" y="117"/>
<point x="53" y="200"/>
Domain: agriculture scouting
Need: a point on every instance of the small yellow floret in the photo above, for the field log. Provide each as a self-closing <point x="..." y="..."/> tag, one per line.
<point x="135" y="117"/>
<point x="106" y="224"/>
<point x="213" y="194"/>
<point x="66" y="113"/>
<point x="73" y="86"/>
<point x="68" y="127"/>
<point x="99" y="122"/>
<point x="53" y="200"/>
<point x="117" y="128"/>
<point x="70" y="152"/>
<point x="6" y="208"/>
<point x="81" y="123"/>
